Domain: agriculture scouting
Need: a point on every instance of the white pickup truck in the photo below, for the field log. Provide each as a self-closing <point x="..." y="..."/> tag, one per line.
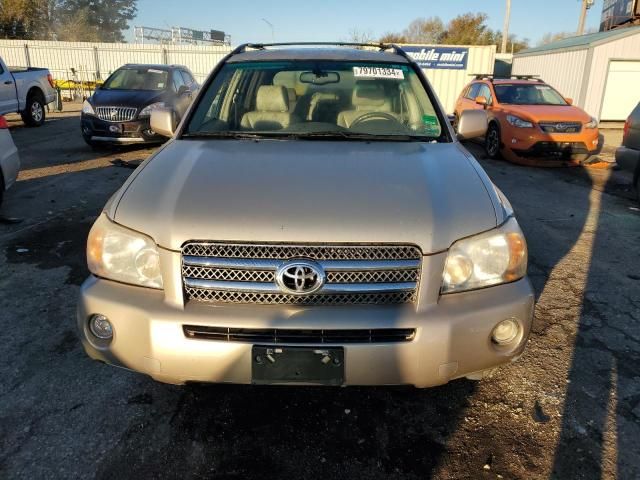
<point x="26" y="91"/>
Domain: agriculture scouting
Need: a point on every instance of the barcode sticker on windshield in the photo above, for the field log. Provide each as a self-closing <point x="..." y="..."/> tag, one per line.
<point x="153" y="70"/>
<point x="378" y="72"/>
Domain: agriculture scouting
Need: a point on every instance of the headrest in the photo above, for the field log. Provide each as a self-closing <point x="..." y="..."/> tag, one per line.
<point x="368" y="94"/>
<point x="272" y="98"/>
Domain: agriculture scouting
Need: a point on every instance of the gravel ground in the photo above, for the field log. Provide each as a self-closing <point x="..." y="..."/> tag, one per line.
<point x="569" y="408"/>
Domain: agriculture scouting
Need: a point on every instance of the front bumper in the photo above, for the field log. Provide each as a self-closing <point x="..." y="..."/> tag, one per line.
<point x="452" y="334"/>
<point x="552" y="149"/>
<point x="135" y="131"/>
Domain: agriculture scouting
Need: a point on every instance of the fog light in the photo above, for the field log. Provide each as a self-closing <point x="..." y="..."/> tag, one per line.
<point x="100" y="326"/>
<point x="505" y="332"/>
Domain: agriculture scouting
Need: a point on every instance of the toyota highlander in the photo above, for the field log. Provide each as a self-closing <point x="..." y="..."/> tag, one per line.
<point x="313" y="220"/>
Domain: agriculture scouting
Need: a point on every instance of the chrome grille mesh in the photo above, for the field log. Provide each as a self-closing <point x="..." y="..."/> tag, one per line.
<point x="116" y="114"/>
<point x="383" y="276"/>
<point x="220" y="296"/>
<point x="354" y="274"/>
<point x="315" y="252"/>
<point x="228" y="274"/>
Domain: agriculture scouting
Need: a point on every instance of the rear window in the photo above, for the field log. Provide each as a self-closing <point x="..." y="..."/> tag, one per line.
<point x="137" y="79"/>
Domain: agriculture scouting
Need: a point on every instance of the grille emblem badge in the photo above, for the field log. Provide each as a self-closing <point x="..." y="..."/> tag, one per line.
<point x="300" y="277"/>
<point x="113" y="113"/>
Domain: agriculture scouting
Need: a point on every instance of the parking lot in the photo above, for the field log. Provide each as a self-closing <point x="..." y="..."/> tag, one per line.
<point x="569" y="408"/>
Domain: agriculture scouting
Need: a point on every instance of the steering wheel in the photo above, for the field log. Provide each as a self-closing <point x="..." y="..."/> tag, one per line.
<point x="374" y="116"/>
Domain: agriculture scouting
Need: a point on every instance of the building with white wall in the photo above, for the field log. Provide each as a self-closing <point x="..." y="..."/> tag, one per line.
<point x="599" y="71"/>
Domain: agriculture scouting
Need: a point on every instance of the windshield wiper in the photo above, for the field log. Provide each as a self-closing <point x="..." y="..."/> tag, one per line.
<point x="342" y="135"/>
<point x="236" y="135"/>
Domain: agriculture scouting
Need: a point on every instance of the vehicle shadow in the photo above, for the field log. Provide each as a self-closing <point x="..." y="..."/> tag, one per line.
<point x="600" y="430"/>
<point x="298" y="432"/>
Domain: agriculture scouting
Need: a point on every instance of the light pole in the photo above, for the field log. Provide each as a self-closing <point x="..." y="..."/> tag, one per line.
<point x="273" y="35"/>
<point x="586" y="5"/>
<point x="505" y="28"/>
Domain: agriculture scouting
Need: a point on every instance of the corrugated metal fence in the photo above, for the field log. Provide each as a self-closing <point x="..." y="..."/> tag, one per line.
<point x="95" y="61"/>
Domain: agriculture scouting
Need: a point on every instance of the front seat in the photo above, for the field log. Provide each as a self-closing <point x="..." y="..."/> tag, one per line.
<point x="272" y="110"/>
<point x="367" y="97"/>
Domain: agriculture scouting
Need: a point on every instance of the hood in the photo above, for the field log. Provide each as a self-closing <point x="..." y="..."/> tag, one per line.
<point x="553" y="113"/>
<point x="307" y="192"/>
<point x="126" y="98"/>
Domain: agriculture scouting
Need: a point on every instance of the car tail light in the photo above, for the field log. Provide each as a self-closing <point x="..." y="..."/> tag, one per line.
<point x="627" y="126"/>
<point x="50" y="78"/>
<point x="3" y="122"/>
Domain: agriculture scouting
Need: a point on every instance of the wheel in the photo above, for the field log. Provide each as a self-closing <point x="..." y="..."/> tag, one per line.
<point x="492" y="141"/>
<point x="34" y="115"/>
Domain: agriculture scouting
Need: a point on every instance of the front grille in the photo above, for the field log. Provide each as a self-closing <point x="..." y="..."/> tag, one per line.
<point x="285" y="252"/>
<point x="353" y="274"/>
<point x="116" y="114"/>
<point x="281" y="336"/>
<point x="560" y="127"/>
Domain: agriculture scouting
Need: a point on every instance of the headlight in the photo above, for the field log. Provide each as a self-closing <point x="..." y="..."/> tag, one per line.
<point x="518" y="122"/>
<point x="592" y="124"/>
<point x="491" y="258"/>
<point x="120" y="254"/>
<point x="146" y="111"/>
<point x="87" y="108"/>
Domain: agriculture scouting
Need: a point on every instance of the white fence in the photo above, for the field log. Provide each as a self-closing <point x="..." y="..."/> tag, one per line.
<point x="95" y="61"/>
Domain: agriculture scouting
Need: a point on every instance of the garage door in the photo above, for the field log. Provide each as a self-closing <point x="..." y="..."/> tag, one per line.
<point x="622" y="92"/>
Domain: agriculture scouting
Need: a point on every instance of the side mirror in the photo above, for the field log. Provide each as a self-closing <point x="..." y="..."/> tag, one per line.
<point x="569" y="101"/>
<point x="163" y="122"/>
<point x="482" y="101"/>
<point x="183" y="90"/>
<point x="472" y="124"/>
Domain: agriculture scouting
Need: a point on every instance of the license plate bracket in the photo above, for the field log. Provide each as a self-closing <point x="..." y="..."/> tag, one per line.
<point x="305" y="365"/>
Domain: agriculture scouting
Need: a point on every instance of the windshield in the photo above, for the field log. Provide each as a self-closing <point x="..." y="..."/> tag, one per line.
<point x="527" y="94"/>
<point x="314" y="99"/>
<point x="137" y="79"/>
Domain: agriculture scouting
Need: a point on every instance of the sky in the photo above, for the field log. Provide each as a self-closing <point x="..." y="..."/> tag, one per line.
<point x="333" y="20"/>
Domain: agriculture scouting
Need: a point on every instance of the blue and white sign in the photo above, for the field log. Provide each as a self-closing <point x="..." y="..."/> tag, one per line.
<point x="443" y="58"/>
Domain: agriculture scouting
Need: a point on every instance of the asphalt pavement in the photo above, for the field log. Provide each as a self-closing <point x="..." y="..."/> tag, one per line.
<point x="569" y="408"/>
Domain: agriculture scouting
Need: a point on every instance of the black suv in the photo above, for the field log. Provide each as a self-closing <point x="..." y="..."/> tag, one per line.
<point x="119" y="111"/>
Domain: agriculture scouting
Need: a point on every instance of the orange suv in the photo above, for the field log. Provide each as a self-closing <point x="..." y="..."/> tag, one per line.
<point x="530" y="122"/>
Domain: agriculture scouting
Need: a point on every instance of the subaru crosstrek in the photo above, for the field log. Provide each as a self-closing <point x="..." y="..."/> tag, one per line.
<point x="313" y="220"/>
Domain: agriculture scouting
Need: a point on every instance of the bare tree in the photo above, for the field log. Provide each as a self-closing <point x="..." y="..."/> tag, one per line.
<point x="424" y="30"/>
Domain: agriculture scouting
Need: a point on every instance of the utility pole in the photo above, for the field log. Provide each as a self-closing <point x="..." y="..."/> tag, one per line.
<point x="505" y="28"/>
<point x="586" y="5"/>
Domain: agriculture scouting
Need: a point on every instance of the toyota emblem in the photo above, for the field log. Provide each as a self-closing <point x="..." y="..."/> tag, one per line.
<point x="300" y="277"/>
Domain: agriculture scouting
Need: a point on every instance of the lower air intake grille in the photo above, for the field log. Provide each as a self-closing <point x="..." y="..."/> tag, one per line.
<point x="281" y="336"/>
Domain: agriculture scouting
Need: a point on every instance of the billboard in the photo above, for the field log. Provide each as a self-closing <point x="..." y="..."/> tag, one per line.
<point x="439" y="58"/>
<point x="616" y="12"/>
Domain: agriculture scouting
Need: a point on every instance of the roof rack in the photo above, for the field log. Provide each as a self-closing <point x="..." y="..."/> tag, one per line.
<point x="379" y="45"/>
<point x="527" y="77"/>
<point x="482" y="76"/>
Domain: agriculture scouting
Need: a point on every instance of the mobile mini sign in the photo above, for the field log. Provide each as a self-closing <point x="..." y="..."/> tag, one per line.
<point x="443" y="58"/>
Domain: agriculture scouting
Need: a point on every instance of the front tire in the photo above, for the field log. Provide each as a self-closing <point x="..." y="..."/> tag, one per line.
<point x="34" y="115"/>
<point x="492" y="141"/>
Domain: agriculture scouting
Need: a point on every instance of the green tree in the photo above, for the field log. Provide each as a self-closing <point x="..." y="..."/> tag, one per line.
<point x="468" y="29"/>
<point x="26" y="19"/>
<point x="101" y="20"/>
